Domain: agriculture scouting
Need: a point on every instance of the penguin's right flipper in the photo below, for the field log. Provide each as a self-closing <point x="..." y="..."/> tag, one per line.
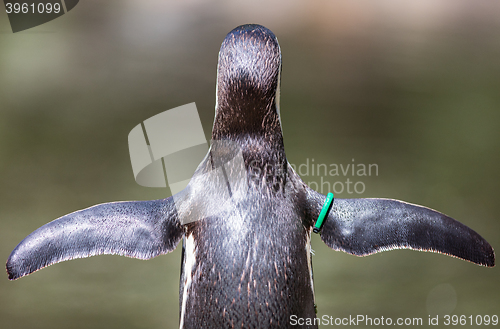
<point x="366" y="226"/>
<point x="138" y="229"/>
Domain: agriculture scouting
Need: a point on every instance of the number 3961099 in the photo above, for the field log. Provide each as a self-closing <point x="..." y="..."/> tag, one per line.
<point x="25" y="8"/>
<point x="463" y="320"/>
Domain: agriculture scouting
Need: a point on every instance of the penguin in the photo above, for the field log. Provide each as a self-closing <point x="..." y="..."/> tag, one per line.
<point x="246" y="218"/>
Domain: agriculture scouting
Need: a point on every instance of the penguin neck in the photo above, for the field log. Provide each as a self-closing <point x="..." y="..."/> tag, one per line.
<point x="246" y="124"/>
<point x="256" y="130"/>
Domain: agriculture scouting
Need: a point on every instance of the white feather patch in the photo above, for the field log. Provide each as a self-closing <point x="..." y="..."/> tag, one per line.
<point x="189" y="266"/>
<point x="309" y="251"/>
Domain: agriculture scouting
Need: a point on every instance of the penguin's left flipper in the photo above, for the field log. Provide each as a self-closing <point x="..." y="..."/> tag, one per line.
<point x="138" y="229"/>
<point x="366" y="226"/>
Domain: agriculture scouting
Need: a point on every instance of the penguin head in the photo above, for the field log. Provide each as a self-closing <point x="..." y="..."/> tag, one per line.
<point x="248" y="76"/>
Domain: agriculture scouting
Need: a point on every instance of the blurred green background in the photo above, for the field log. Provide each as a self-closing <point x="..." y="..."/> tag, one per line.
<point x="412" y="86"/>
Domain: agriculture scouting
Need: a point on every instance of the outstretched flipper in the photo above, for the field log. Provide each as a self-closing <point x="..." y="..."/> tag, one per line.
<point x="138" y="229"/>
<point x="366" y="226"/>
